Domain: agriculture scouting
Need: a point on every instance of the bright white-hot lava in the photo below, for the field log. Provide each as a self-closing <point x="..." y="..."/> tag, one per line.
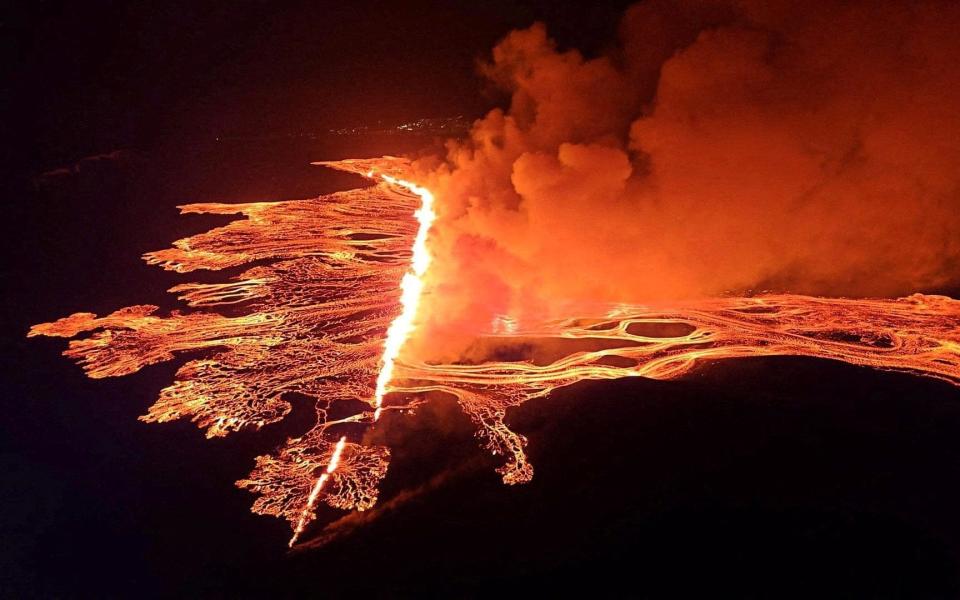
<point x="411" y="289"/>
<point x="312" y="499"/>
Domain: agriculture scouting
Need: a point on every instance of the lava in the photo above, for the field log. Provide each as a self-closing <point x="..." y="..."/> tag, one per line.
<point x="312" y="498"/>
<point x="411" y="286"/>
<point x="320" y="316"/>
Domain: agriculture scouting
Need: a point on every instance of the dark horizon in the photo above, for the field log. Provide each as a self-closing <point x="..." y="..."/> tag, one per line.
<point x="92" y="78"/>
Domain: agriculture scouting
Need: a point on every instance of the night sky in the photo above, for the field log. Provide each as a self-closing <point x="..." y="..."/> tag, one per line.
<point x="777" y="477"/>
<point x="95" y="76"/>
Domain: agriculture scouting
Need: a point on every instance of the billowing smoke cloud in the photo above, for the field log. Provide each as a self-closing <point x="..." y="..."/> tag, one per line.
<point x="718" y="147"/>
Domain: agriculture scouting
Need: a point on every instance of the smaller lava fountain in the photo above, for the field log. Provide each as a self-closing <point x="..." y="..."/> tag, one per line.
<point x="321" y="316"/>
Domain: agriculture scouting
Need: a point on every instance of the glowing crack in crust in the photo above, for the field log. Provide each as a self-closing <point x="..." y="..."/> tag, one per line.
<point x="307" y="513"/>
<point x="411" y="287"/>
<point x="320" y="316"/>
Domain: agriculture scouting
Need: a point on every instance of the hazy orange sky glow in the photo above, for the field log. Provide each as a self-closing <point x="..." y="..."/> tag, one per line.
<point x="717" y="147"/>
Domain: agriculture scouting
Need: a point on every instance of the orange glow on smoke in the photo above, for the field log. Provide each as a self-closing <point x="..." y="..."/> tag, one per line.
<point x="319" y="316"/>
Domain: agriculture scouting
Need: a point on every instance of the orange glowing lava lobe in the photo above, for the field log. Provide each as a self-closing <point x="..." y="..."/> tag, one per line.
<point x="320" y="317"/>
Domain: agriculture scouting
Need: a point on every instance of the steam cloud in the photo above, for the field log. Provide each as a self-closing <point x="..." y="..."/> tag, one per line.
<point x="717" y="147"/>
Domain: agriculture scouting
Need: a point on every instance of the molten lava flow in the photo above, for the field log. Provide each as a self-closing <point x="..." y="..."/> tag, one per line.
<point x="319" y="316"/>
<point x="919" y="334"/>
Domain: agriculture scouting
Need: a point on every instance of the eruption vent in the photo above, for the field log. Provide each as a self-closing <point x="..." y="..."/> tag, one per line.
<point x="411" y="286"/>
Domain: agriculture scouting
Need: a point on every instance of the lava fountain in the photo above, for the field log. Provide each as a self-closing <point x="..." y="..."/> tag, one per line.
<point x="320" y="316"/>
<point x="411" y="289"/>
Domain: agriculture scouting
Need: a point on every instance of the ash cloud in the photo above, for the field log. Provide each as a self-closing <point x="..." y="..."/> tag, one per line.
<point x="717" y="147"/>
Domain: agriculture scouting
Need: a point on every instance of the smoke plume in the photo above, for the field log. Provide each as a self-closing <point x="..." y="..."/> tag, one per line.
<point x="717" y="147"/>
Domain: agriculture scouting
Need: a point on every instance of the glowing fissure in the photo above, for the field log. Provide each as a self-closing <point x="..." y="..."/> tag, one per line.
<point x="312" y="498"/>
<point x="411" y="290"/>
<point x="310" y="320"/>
